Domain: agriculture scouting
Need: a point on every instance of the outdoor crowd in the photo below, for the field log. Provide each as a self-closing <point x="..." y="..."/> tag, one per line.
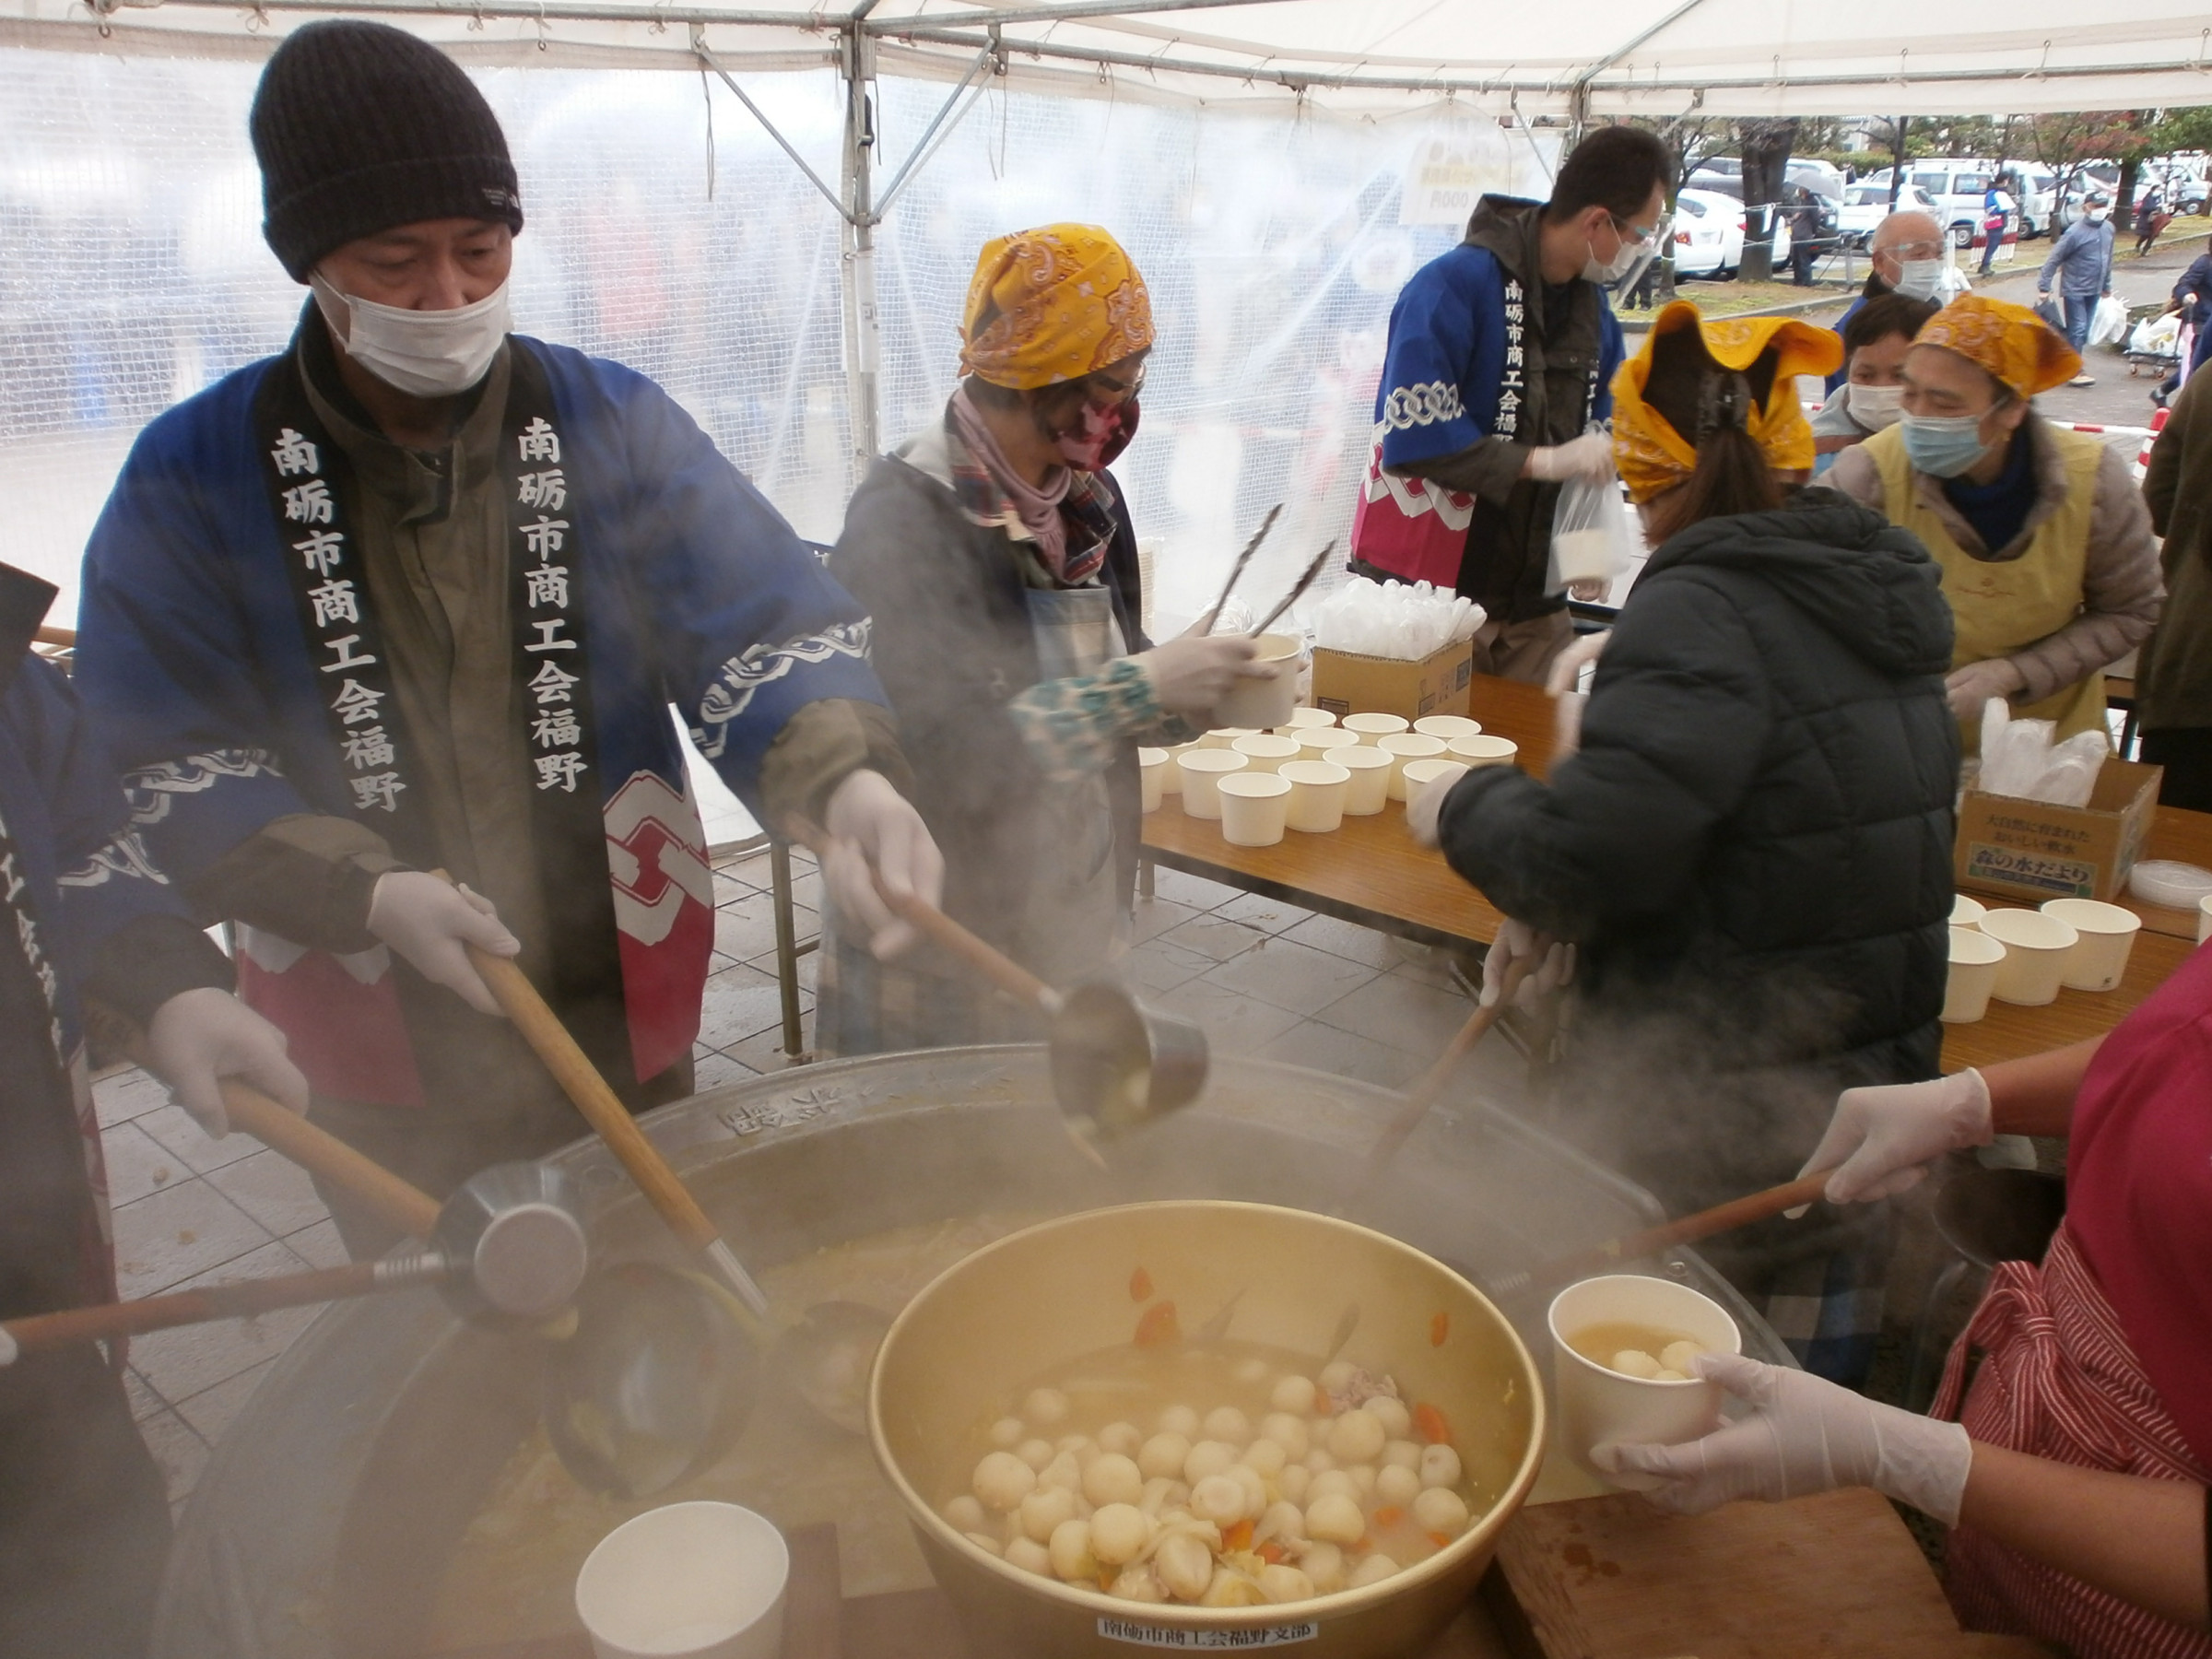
<point x="412" y="599"/>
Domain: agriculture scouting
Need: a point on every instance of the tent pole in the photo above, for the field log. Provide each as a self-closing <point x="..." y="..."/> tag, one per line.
<point x="863" y="335"/>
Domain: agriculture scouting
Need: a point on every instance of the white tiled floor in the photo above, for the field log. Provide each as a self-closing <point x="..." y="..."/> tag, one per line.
<point x="1263" y="977"/>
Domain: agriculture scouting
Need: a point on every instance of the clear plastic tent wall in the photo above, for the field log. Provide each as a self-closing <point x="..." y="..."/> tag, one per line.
<point x="667" y="230"/>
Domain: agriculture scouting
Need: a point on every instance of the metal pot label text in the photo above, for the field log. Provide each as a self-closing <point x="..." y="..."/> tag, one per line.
<point x="1172" y="1636"/>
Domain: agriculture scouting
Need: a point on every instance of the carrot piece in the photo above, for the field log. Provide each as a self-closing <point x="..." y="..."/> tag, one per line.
<point x="1273" y="1554"/>
<point x="1238" y="1537"/>
<point x="1430" y="1424"/>
<point x="1439" y="1327"/>
<point x="1140" y="1286"/>
<point x="1439" y="1539"/>
<point x="1390" y="1515"/>
<point x="1158" y="1325"/>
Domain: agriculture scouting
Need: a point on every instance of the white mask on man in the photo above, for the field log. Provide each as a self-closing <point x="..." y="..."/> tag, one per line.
<point x="1918" y="278"/>
<point x="1874" y="408"/>
<point x="422" y="353"/>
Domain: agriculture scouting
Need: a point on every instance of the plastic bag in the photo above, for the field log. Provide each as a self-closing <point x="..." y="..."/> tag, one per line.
<point x="1589" y="534"/>
<point x="2108" y="323"/>
<point x="2019" y="759"/>
<point x="2158" y="336"/>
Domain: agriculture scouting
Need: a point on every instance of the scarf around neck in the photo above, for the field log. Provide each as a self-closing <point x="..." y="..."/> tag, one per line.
<point x="1037" y="506"/>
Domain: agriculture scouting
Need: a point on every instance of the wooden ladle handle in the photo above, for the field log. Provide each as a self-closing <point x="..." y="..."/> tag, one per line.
<point x="319" y="1152"/>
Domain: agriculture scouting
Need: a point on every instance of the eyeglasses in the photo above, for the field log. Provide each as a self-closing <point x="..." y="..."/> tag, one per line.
<point x="1099" y="386"/>
<point x="1919" y="249"/>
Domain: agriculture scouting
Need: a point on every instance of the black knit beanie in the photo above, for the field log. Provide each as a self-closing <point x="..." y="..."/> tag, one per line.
<point x="358" y="127"/>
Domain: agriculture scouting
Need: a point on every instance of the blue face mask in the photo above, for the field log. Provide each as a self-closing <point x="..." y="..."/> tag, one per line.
<point x="1942" y="446"/>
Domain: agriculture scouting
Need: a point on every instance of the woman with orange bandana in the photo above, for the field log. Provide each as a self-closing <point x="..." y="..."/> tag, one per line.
<point x="1750" y="852"/>
<point x="2048" y="558"/>
<point x="997" y="558"/>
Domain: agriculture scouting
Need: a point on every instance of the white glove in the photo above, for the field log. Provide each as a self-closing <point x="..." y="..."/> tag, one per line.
<point x="431" y="922"/>
<point x="1565" y="674"/>
<point x="1424" y="809"/>
<point x="1882" y="1138"/>
<point x="1591" y="592"/>
<point x="1191" y="675"/>
<point x="1552" y="965"/>
<point x="875" y="833"/>
<point x="198" y="1038"/>
<point x="1970" y="686"/>
<point x="1589" y="457"/>
<point x="1804" y="1435"/>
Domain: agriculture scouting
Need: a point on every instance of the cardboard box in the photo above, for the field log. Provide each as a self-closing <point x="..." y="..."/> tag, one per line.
<point x="1348" y="684"/>
<point x="2028" y="850"/>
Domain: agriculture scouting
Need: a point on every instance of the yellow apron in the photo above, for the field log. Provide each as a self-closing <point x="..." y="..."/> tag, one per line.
<point x="1999" y="607"/>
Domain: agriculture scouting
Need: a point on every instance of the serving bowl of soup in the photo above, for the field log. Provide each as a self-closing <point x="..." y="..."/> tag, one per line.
<point x="1127" y="1425"/>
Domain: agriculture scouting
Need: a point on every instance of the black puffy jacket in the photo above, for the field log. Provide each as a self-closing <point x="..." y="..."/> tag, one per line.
<point x="1753" y="847"/>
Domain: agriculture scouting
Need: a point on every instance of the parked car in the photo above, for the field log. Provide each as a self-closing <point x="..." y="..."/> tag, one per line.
<point x="2035" y="188"/>
<point x="1708" y="235"/>
<point x="2183" y="186"/>
<point x="1866" y="205"/>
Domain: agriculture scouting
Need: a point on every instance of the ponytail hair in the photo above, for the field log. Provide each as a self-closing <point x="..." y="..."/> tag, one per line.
<point x="1711" y="405"/>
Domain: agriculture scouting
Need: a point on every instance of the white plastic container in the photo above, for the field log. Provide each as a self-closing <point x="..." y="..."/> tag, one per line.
<point x="686" y="1581"/>
<point x="1307" y="720"/>
<point x="1419" y="774"/>
<point x="1972" y="975"/>
<point x="1447" y="726"/>
<point x="1370" y="769"/>
<point x="1225" y="736"/>
<point x="1401" y="747"/>
<point x="1152" y="769"/>
<point x="1171" y="781"/>
<point x="1482" y="749"/>
<point x="1203" y="770"/>
<point x="1320" y="743"/>
<point x="1370" y="726"/>
<point x="1260" y="703"/>
<point x="1255" y="809"/>
<point x="1263" y="751"/>
<point x="2036" y="948"/>
<point x="1598" y="1404"/>
<point x="1318" y="789"/>
<point x="1966" y="913"/>
<point x="2108" y="937"/>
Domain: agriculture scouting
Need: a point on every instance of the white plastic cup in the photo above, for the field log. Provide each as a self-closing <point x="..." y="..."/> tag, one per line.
<point x="1170" y="777"/>
<point x="1255" y="809"/>
<point x="688" y="1581"/>
<point x="2108" y="939"/>
<point x="1152" y="769"/>
<point x="1320" y="743"/>
<point x="1401" y="747"/>
<point x="1307" y="720"/>
<point x="1598" y="1404"/>
<point x="1972" y="975"/>
<point x="1419" y="774"/>
<point x="1370" y="769"/>
<point x="1447" y="726"/>
<point x="1479" y="748"/>
<point x="2036" y="948"/>
<point x="1203" y="770"/>
<point x="1263" y="751"/>
<point x="1225" y="736"/>
<point x="1371" y="726"/>
<point x="1265" y="702"/>
<point x="1966" y="913"/>
<point x="1318" y="789"/>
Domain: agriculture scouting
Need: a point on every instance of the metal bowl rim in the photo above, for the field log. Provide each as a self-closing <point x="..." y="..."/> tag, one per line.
<point x="1480" y="1534"/>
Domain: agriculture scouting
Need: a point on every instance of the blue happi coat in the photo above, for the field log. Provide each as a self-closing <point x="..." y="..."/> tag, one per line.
<point x="213" y="689"/>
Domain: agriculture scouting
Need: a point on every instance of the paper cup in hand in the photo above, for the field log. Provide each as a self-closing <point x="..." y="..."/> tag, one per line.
<point x="1152" y="769"/>
<point x="688" y="1581"/>
<point x="1254" y="808"/>
<point x="2099" y="960"/>
<point x="1203" y="770"/>
<point x="1263" y="751"/>
<point x="1972" y="975"/>
<point x="2036" y="948"/>
<point x="1259" y="704"/>
<point x="1598" y="1404"/>
<point x="1370" y="769"/>
<point x="1318" y="789"/>
<point x="1370" y="726"/>
<point x="1401" y="747"/>
<point x="1447" y="726"/>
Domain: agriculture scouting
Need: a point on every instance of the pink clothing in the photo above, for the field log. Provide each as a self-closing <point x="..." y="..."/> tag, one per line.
<point x="1037" y="506"/>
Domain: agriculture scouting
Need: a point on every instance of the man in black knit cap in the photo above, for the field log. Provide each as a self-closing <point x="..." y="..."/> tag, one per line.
<point x="414" y="596"/>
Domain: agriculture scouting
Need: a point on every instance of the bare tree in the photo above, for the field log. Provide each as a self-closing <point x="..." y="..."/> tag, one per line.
<point x="1766" y="168"/>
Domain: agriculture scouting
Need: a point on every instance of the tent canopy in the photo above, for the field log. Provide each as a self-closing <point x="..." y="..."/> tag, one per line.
<point x="1566" y="58"/>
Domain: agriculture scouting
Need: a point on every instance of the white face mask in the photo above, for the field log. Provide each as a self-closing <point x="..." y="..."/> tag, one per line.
<point x="1874" y="408"/>
<point x="422" y="353"/>
<point x="1919" y="278"/>
<point x="2097" y="216"/>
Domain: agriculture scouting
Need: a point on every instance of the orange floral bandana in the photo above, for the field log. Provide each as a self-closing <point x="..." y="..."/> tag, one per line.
<point x="1654" y="458"/>
<point x="1053" y="304"/>
<point x="2009" y="341"/>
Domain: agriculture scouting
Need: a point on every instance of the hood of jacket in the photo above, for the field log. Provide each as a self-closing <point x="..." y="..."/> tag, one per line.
<point x="1507" y="227"/>
<point x="1863" y="579"/>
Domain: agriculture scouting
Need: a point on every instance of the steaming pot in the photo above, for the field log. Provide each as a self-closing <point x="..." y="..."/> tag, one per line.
<point x="331" y="1512"/>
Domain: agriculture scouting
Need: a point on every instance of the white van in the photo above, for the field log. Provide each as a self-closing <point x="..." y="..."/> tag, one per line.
<point x="1957" y="186"/>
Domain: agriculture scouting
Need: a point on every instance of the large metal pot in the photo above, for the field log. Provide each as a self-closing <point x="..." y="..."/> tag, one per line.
<point x="1026" y="1305"/>
<point x="330" y="1514"/>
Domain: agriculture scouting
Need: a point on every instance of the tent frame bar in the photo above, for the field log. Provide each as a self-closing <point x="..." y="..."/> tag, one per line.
<point x="1076" y="11"/>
